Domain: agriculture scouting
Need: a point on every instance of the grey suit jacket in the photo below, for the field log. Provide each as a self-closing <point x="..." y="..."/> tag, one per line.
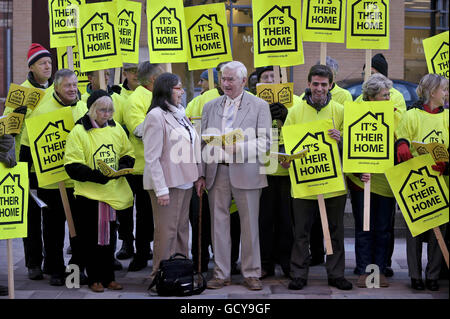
<point x="253" y="117"/>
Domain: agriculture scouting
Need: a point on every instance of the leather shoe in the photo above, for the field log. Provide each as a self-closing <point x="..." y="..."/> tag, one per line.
<point x="126" y="251"/>
<point x="417" y="284"/>
<point x="361" y="283"/>
<point x="117" y="265"/>
<point x="432" y="284"/>
<point x="217" y="283"/>
<point x="137" y="263"/>
<point x="253" y="283"/>
<point x="114" y="285"/>
<point x="340" y="283"/>
<point x="388" y="272"/>
<point x="97" y="287"/>
<point x="57" y="280"/>
<point x="35" y="273"/>
<point x="297" y="284"/>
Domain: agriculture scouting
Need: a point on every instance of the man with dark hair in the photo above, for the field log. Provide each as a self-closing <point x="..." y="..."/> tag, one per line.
<point x="317" y="105"/>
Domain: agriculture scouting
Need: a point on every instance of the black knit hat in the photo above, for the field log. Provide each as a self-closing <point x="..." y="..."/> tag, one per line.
<point x="95" y="96"/>
<point x="261" y="70"/>
<point x="380" y="64"/>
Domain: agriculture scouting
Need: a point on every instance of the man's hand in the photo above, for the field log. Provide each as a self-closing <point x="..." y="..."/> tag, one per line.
<point x="403" y="152"/>
<point x="164" y="200"/>
<point x="439" y="167"/>
<point x="285" y="164"/>
<point x="364" y="177"/>
<point x="6" y="142"/>
<point x="200" y="185"/>
<point x="335" y="134"/>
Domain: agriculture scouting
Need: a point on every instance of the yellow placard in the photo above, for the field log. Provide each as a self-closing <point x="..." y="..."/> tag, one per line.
<point x="323" y="21"/>
<point x="207" y="34"/>
<point x="368" y="24"/>
<point x="319" y="172"/>
<point x="436" y="54"/>
<point x="98" y="37"/>
<point x="229" y="138"/>
<point x="437" y="150"/>
<point x="13" y="201"/>
<point x="368" y="137"/>
<point x="63" y="64"/>
<point x="283" y="157"/>
<point x="129" y="26"/>
<point x="47" y="134"/>
<point x="20" y="95"/>
<point x="62" y="22"/>
<point x="111" y="172"/>
<point x="421" y="193"/>
<point x="276" y="93"/>
<point x="277" y="33"/>
<point x="11" y="123"/>
<point x="167" y="37"/>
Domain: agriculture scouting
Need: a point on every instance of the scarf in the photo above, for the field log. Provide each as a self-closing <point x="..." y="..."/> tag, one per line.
<point x="179" y="114"/>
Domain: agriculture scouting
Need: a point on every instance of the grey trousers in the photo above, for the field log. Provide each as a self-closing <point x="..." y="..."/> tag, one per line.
<point x="304" y="211"/>
<point x="414" y="254"/>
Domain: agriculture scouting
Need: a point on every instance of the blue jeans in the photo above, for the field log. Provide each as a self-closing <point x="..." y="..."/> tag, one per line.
<point x="372" y="247"/>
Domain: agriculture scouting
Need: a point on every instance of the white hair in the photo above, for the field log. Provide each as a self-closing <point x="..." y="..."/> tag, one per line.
<point x="241" y="70"/>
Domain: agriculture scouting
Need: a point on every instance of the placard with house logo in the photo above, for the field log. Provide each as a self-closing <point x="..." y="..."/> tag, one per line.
<point x="368" y="137"/>
<point x="167" y="37"/>
<point x="98" y="37"/>
<point x="277" y="33"/>
<point x="23" y="96"/>
<point x="421" y="193"/>
<point x="63" y="21"/>
<point x="368" y="24"/>
<point x="47" y="134"/>
<point x="129" y="27"/>
<point x="13" y="201"/>
<point x="436" y="54"/>
<point x="323" y="21"/>
<point x="319" y="172"/>
<point x="63" y="64"/>
<point x="276" y="93"/>
<point x="207" y="33"/>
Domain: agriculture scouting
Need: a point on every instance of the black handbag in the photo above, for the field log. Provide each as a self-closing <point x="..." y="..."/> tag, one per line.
<point x="176" y="277"/>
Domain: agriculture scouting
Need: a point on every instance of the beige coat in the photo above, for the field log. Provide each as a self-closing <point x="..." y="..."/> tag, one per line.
<point x="170" y="158"/>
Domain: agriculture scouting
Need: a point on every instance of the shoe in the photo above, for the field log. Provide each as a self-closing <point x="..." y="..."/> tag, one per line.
<point x="127" y="250"/>
<point x="388" y="272"/>
<point x="267" y="273"/>
<point x="340" y="283"/>
<point x="432" y="284"/>
<point x="97" y="287"/>
<point x="3" y="290"/>
<point x="69" y="250"/>
<point x="117" y="265"/>
<point x="384" y="283"/>
<point x="83" y="279"/>
<point x="316" y="261"/>
<point x="253" y="283"/>
<point x="35" y="273"/>
<point x="417" y="284"/>
<point x="114" y="285"/>
<point x="361" y="283"/>
<point x="137" y="263"/>
<point x="217" y="283"/>
<point x="297" y="284"/>
<point x="234" y="269"/>
<point x="57" y="280"/>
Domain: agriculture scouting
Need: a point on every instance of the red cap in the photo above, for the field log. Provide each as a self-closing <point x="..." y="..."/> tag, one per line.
<point x="35" y="52"/>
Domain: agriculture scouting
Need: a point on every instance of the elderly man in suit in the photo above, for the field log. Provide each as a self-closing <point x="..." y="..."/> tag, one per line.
<point x="235" y="171"/>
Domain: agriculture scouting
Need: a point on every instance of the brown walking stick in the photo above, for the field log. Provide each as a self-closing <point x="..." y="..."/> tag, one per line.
<point x="200" y="233"/>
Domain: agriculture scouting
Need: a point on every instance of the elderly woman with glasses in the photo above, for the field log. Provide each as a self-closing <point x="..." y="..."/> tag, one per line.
<point x="372" y="247"/>
<point x="96" y="136"/>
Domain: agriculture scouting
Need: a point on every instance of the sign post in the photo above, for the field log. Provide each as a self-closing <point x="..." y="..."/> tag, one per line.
<point x="366" y="223"/>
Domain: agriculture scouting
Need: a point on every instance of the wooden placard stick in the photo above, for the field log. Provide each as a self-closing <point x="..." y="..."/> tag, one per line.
<point x="200" y="199"/>
<point x="101" y="75"/>
<point x="323" y="53"/>
<point x="284" y="78"/>
<point x="168" y="67"/>
<point x="366" y="223"/>
<point x="11" y="294"/>
<point x="70" y="57"/>
<point x="117" y="73"/>
<point x="325" y="228"/>
<point x="67" y="211"/>
<point x="211" y="79"/>
<point x="276" y="74"/>
<point x="441" y="242"/>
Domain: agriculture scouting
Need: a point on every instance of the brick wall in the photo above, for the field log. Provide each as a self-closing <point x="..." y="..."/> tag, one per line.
<point x="21" y="39"/>
<point x="351" y="61"/>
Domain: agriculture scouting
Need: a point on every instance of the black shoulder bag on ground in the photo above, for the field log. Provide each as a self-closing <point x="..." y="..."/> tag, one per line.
<point x="177" y="277"/>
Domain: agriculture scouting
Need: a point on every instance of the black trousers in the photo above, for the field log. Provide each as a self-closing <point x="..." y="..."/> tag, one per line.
<point x="98" y="259"/>
<point x="144" y="216"/>
<point x="276" y="234"/>
<point x="54" y="223"/>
